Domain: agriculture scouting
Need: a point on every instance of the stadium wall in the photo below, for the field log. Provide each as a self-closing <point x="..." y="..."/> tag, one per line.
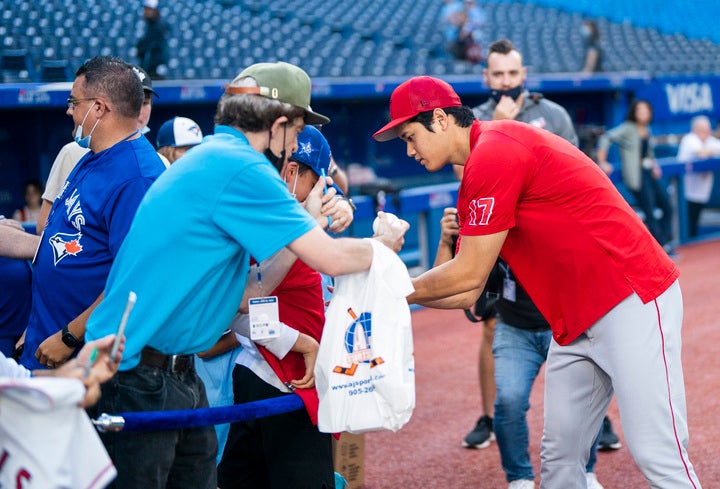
<point x="35" y="125"/>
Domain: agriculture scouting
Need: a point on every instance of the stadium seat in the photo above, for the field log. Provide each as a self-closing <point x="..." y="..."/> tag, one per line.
<point x="55" y="71"/>
<point x="633" y="34"/>
<point x="16" y="66"/>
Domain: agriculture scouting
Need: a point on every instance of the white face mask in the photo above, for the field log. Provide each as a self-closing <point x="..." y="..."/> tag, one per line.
<point x="84" y="142"/>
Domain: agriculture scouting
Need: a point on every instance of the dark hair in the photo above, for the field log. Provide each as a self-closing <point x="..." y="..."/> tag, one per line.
<point x="630" y="116"/>
<point x="253" y="113"/>
<point x="303" y="168"/>
<point x="34" y="183"/>
<point x="594" y="30"/>
<point x="114" y="79"/>
<point x="463" y="116"/>
<point x="501" y="46"/>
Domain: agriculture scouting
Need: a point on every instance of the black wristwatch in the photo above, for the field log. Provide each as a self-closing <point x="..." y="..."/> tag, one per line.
<point x="70" y="339"/>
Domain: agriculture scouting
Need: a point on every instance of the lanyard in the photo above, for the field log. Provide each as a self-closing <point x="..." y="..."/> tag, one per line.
<point x="81" y="170"/>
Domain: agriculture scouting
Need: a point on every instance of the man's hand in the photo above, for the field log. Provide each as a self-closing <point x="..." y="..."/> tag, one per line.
<point x="656" y="171"/>
<point x="606" y="167"/>
<point x="449" y="226"/>
<point x="53" y="352"/>
<point x="12" y="223"/>
<point x="391" y="235"/>
<point x="339" y="211"/>
<point x="507" y="108"/>
<point x="314" y="202"/>
<point x="91" y="371"/>
<point x="309" y="348"/>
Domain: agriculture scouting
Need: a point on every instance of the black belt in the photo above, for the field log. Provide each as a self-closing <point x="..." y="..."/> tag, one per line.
<point x="171" y="363"/>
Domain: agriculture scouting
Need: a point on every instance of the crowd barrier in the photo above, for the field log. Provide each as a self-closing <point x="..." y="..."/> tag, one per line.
<point x="193" y="418"/>
<point x="423" y="207"/>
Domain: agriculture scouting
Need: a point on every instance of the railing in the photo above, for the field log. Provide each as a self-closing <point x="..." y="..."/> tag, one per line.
<point x="423" y="208"/>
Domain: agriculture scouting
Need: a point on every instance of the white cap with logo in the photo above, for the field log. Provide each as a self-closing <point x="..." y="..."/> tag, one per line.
<point x="179" y="131"/>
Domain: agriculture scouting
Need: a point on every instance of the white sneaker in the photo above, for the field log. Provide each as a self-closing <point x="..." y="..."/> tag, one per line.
<point x="592" y="482"/>
<point x="522" y="484"/>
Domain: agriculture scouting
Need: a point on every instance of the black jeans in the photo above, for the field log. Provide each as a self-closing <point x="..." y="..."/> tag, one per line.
<point x="159" y="459"/>
<point x="274" y="452"/>
<point x="653" y="195"/>
<point x="694" y="210"/>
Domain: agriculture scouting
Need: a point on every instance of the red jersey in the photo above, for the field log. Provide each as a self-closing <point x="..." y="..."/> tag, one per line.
<point x="573" y="242"/>
<point x="300" y="306"/>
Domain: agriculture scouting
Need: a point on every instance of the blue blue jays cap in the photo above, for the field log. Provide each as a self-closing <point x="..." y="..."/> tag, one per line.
<point x="314" y="151"/>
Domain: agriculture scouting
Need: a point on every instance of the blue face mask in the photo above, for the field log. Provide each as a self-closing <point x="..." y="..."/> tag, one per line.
<point x="513" y="93"/>
<point x="84" y="142"/>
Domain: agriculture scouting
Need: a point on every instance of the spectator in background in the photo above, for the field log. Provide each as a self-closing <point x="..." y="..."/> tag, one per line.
<point x="175" y="137"/>
<point x="152" y="46"/>
<point x="65" y="161"/>
<point x="451" y="18"/>
<point x="88" y="221"/>
<point x="640" y="170"/>
<point x="71" y="153"/>
<point x="593" y="53"/>
<point x="148" y="94"/>
<point x="698" y="144"/>
<point x="470" y="33"/>
<point x="32" y="194"/>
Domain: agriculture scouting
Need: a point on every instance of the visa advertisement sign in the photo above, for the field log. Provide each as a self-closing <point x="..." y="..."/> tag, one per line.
<point x="681" y="98"/>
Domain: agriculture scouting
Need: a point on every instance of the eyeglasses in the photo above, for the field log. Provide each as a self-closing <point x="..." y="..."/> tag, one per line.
<point x="74" y="102"/>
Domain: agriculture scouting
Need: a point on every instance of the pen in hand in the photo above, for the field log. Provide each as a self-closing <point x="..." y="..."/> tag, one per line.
<point x="132" y="298"/>
<point x="90" y="362"/>
<point x="324" y="178"/>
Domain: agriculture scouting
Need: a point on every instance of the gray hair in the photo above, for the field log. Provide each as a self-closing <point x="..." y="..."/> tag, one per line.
<point x="700" y="119"/>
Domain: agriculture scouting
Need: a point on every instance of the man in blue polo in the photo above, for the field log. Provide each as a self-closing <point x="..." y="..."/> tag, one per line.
<point x="186" y="257"/>
<point x="89" y="219"/>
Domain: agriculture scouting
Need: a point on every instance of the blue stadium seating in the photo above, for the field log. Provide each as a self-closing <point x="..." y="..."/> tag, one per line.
<point x="215" y="38"/>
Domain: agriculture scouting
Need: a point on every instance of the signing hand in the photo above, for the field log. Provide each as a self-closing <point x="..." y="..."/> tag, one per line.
<point x="340" y="212"/>
<point x="392" y="234"/>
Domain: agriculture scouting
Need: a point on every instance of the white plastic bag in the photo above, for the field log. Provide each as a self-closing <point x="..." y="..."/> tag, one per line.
<point x="365" y="370"/>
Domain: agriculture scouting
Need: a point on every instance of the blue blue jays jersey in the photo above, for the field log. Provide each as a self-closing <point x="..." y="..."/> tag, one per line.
<point x="85" y="228"/>
<point x="186" y="256"/>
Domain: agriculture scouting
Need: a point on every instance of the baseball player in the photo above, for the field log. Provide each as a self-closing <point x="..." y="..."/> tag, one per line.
<point x="505" y="76"/>
<point x="614" y="303"/>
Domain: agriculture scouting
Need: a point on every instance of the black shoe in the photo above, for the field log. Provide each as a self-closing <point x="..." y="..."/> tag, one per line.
<point x="481" y="435"/>
<point x="608" y="439"/>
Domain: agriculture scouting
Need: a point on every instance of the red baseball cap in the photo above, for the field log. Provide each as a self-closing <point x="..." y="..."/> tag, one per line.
<point x="418" y="94"/>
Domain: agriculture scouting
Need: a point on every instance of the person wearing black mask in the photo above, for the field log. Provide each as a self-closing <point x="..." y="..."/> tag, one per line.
<point x="505" y="77"/>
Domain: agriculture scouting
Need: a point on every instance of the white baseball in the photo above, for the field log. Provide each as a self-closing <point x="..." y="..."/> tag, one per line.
<point x="391" y="219"/>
